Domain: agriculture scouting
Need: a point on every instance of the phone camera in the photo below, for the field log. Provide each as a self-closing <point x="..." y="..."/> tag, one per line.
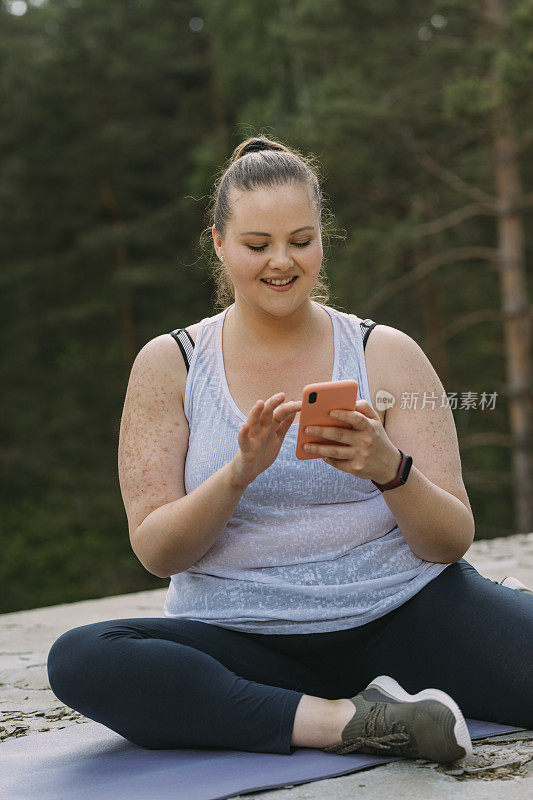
<point x="312" y="397"/>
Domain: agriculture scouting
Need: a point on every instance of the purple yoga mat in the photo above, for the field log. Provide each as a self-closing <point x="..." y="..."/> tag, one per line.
<point x="88" y="761"/>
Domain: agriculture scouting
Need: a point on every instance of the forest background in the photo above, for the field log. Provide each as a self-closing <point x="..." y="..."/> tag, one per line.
<point x="115" y="119"/>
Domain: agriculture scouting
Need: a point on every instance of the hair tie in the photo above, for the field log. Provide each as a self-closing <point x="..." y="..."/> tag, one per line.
<point x="256" y="146"/>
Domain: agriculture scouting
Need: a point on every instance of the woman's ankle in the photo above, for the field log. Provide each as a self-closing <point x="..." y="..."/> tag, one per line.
<point x="319" y="722"/>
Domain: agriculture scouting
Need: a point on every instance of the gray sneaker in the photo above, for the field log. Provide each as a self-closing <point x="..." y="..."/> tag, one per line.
<point x="390" y="721"/>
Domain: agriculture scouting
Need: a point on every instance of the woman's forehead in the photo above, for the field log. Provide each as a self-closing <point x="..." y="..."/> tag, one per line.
<point x="275" y="202"/>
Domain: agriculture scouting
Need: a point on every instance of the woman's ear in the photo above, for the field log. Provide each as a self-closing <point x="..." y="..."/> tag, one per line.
<point x="217" y="241"/>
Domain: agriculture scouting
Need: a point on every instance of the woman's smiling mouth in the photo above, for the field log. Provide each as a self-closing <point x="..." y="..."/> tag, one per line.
<point x="282" y="285"/>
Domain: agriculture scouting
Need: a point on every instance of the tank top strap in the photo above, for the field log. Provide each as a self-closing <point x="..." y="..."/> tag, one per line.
<point x="185" y="342"/>
<point x="366" y="326"/>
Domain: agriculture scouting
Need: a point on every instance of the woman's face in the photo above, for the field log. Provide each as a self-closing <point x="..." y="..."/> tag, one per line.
<point x="272" y="233"/>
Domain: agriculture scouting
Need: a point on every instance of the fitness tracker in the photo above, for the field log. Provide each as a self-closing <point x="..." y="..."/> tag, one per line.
<point x="401" y="475"/>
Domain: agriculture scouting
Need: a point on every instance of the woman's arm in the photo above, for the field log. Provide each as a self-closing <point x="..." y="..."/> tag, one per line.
<point x="169" y="529"/>
<point x="432" y="508"/>
<point x="176" y="535"/>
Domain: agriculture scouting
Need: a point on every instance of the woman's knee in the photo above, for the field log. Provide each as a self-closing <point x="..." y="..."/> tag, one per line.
<point x="69" y="660"/>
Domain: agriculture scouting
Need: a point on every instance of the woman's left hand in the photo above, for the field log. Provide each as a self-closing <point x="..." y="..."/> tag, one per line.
<point x="364" y="449"/>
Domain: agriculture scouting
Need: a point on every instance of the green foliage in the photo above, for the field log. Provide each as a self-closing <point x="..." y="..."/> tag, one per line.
<point x="470" y="98"/>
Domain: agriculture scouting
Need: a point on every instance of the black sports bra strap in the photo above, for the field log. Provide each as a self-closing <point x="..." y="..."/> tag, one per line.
<point x="366" y="326"/>
<point x="186" y="344"/>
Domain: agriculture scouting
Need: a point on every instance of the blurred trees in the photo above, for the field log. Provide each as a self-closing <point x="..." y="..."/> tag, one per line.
<point x="114" y="121"/>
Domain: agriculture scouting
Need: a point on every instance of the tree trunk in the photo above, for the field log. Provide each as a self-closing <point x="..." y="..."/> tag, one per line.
<point x="511" y="260"/>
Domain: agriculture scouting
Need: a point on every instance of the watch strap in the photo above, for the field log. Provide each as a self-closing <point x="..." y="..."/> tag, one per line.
<point x="400" y="477"/>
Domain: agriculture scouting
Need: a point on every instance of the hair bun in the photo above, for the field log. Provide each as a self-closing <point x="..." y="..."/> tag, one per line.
<point x="256" y="145"/>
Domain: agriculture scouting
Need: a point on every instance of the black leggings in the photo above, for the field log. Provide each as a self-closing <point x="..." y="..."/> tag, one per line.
<point x="167" y="683"/>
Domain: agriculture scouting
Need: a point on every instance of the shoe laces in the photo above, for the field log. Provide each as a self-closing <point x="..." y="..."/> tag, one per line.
<point x="396" y="738"/>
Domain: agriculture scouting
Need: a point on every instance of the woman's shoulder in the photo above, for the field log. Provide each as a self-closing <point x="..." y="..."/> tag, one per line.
<point x="389" y="342"/>
<point x="160" y="364"/>
<point x="385" y="351"/>
<point x="161" y="359"/>
<point x="387" y="335"/>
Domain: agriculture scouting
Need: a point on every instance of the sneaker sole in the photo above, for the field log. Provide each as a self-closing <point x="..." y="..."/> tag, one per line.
<point x="392" y="689"/>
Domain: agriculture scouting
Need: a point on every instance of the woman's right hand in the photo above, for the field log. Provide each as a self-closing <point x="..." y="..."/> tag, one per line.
<point x="261" y="437"/>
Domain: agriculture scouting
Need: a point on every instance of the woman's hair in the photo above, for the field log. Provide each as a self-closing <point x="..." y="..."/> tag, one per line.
<point x="256" y="163"/>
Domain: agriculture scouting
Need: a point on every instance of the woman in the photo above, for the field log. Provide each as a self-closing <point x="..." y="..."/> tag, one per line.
<point x="311" y="603"/>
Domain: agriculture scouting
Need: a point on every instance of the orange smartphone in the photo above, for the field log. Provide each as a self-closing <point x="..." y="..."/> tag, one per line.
<point x="318" y="399"/>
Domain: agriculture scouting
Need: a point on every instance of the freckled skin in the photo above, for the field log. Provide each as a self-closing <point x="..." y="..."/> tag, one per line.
<point x="153" y="432"/>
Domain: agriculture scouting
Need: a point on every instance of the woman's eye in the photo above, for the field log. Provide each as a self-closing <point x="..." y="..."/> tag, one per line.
<point x="296" y="244"/>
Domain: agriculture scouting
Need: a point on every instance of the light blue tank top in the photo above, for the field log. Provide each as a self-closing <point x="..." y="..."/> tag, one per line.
<point x="309" y="549"/>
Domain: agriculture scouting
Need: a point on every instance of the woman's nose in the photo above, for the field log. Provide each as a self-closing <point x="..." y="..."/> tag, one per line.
<point x="280" y="255"/>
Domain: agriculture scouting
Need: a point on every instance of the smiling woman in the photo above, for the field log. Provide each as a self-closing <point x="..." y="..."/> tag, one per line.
<point x="294" y="583"/>
<point x="281" y="260"/>
<point x="236" y="180"/>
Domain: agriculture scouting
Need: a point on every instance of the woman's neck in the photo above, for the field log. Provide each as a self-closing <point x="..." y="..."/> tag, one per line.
<point x="266" y="333"/>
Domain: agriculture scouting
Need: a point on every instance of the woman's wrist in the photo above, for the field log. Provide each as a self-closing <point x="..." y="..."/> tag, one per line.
<point x="393" y="467"/>
<point x="237" y="482"/>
